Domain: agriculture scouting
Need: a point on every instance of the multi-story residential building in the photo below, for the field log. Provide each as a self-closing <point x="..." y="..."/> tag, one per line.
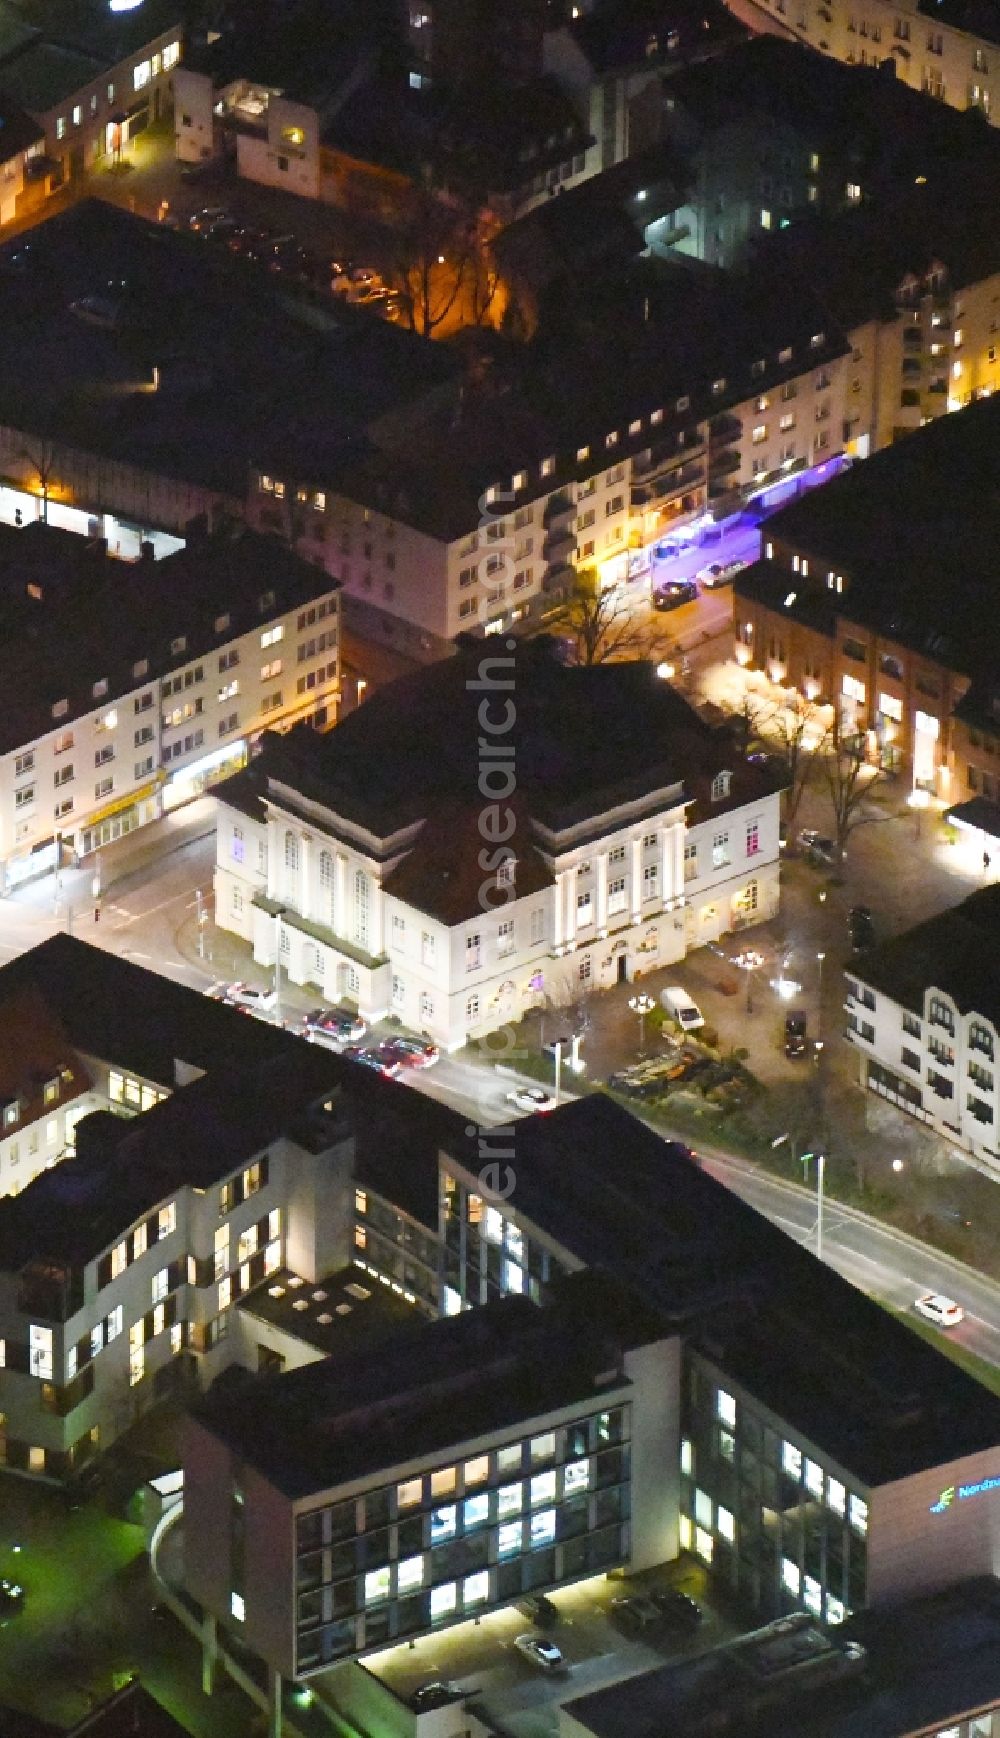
<point x="872" y="595"/>
<point x="944" y="50"/>
<point x="131" y="686"/>
<point x="385" y="891"/>
<point x="604" y="1393"/>
<point x="480" y="519"/>
<point x="91" y="76"/>
<point x="925" y="1018"/>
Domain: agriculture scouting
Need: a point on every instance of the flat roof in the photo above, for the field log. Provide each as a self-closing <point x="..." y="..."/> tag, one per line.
<point x="850" y="1378"/>
<point x="431" y="1388"/>
<point x="925" y="1663"/>
<point x="343" y="1313"/>
<point x="955" y="952"/>
<point x="250" y="373"/>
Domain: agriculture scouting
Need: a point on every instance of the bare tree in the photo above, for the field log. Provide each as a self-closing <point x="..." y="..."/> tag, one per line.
<point x="42" y="458"/>
<point x="849" y="775"/>
<point x="431" y="260"/>
<point x="796" y="732"/>
<point x="602" y="626"/>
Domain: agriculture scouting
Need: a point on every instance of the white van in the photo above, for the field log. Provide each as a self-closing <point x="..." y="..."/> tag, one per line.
<point x="678" y="1004"/>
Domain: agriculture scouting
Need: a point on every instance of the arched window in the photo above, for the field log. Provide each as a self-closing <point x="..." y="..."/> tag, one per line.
<point x="326" y="884"/>
<point x="361" y="907"/>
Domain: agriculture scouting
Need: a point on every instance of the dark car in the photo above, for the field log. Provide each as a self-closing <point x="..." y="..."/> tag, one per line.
<point x="796" y="1027"/>
<point x="434" y="1695"/>
<point x="861" y="927"/>
<point x="819" y="850"/>
<point x="674" y="594"/>
<point x="677" y="1607"/>
<point x="636" y="1612"/>
<point x="538" y="1610"/>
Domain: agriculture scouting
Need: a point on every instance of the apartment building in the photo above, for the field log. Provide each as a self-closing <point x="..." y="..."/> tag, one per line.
<point x="872" y="594"/>
<point x="91" y="76"/>
<point x="477" y="517"/>
<point x="943" y="50"/>
<point x="652" y="838"/>
<point x="132" y="686"/>
<point x="923" y="1016"/>
<point x="601" y="1392"/>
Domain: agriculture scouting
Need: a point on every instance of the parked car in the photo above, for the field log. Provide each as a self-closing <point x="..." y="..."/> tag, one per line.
<point x="861" y="927"/>
<point x="679" y="1006"/>
<point x="796" y="1028"/>
<point x="635" y="1611"/>
<point x="370" y="1058"/>
<point x="818" y="848"/>
<point x="531" y="1098"/>
<point x="539" y="1610"/>
<point x="259" y="1001"/>
<point x="677" y="1607"/>
<point x="435" y="1695"/>
<point x="333" y="1027"/>
<point x="944" y="1312"/>
<point x="667" y="550"/>
<point x="414" y="1052"/>
<point x="543" y="1654"/>
<point x="675" y="593"/>
<point x="720" y="573"/>
<point x="203" y="220"/>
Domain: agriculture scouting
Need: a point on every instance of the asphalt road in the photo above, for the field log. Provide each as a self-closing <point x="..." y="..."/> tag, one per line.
<point x="151" y="917"/>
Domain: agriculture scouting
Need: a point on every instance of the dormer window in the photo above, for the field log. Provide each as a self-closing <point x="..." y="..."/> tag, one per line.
<point x="11" y="1112"/>
<point x="683" y="404"/>
<point x="547" y="466"/>
<point x="786" y="354"/>
<point x="140" y="670"/>
<point x="60" y="708"/>
<point x="100" y="688"/>
<point x="719" y="385"/>
<point x="611" y="439"/>
<point x="519" y="480"/>
<point x="51" y="1091"/>
<point x="178" y="646"/>
<point x="817" y="340"/>
<point x="505" y="873"/>
<point x="221" y="624"/>
<point x="720" y="786"/>
<point x="582" y="455"/>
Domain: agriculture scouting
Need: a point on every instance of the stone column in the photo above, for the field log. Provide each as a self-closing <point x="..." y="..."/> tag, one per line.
<point x="559" y="910"/>
<point x="340" y="925"/>
<point x="636" y="902"/>
<point x="306" y="875"/>
<point x="602" y="894"/>
<point x="571" y="904"/>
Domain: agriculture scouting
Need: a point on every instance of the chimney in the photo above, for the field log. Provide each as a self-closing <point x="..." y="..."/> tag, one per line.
<point x="146" y="551"/>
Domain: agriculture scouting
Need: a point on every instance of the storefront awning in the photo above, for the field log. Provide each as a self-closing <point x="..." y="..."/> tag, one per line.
<point x="126" y="802"/>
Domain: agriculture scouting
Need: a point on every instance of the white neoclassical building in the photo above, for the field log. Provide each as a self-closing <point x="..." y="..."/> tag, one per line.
<point x="422" y="861"/>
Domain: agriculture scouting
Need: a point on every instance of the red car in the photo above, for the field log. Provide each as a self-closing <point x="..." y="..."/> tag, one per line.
<point x="412" y="1052"/>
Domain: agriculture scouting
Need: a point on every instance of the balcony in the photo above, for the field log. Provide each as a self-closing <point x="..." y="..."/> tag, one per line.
<point x="721" y="464"/>
<point x="559" y="544"/>
<point x="558" y="508"/>
<point x="725" y="428"/>
<point x="684" y="477"/>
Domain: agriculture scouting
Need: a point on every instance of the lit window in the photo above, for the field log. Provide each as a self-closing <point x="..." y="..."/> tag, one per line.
<point x="40" y="1352"/>
<point x="725" y="1524"/>
<point x="476" y="1511"/>
<point x="543" y="1488"/>
<point x="443" y="1523"/>
<point x="225" y="1293"/>
<point x="814" y="1479"/>
<point x="140" y="75"/>
<point x="476" y="1588"/>
<point x="858" y="1514"/>
<point x="477" y="1471"/>
<point x="166" y="1220"/>
<point x="119" y="1259"/>
<point x="703" y="1508"/>
<point x="543" y="1527"/>
<point x="791" y="1575"/>
<point x="377" y="1585"/>
<point x="161" y="1285"/>
<point x="725" y="1408"/>
<point x="409" y="1493"/>
<point x="687" y="1457"/>
<point x="410" y="1574"/>
<point x="704" y="1544"/>
<point x="576" y="1476"/>
<point x="509" y="1500"/>
<point x="443" y="1481"/>
<point x="791" y="1460"/>
<point x="543" y="1447"/>
<point x="510" y="1538"/>
<point x="443" y="1599"/>
<point x="836" y="1496"/>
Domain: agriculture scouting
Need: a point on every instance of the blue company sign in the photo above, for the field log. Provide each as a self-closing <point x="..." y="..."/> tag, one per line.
<point x="958" y="1493"/>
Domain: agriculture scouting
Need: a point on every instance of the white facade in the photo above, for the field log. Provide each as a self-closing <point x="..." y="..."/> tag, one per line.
<point x="136" y="754"/>
<point x="950" y="64"/>
<point x="632" y="890"/>
<point x="939" y="1066"/>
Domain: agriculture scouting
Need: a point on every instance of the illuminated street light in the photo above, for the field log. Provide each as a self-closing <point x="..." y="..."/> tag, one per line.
<point x="642" y="1005"/>
<point x="898" y="1165"/>
<point x="749" y="961"/>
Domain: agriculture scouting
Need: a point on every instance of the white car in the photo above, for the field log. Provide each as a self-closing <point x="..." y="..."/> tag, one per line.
<point x="531" y="1098"/>
<point x="543" y="1654"/>
<point x="944" y="1312"/>
<point x="245" y="996"/>
<point x="719" y="573"/>
<point x="678" y="1005"/>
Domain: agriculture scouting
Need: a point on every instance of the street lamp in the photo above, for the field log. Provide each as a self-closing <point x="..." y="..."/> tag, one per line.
<point x="202" y="916"/>
<point x="570" y="1043"/>
<point x="820" y="1158"/>
<point x="820" y="957"/>
<point x="642" y="1005"/>
<point x="278" y="915"/>
<point x="749" y="961"/>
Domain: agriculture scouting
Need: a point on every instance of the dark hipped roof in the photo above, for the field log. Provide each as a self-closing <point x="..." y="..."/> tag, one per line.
<point x="429" y="1387"/>
<point x="955" y="952"/>
<point x="619" y="36"/>
<point x="442" y="875"/>
<point x="92" y="618"/>
<point x="581" y="740"/>
<point x="822" y="1355"/>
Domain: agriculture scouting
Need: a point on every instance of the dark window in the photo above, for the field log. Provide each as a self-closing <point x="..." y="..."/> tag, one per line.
<point x="856" y="650"/>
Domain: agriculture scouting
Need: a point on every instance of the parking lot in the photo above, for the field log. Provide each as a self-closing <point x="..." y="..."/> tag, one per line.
<point x="597" y="1650"/>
